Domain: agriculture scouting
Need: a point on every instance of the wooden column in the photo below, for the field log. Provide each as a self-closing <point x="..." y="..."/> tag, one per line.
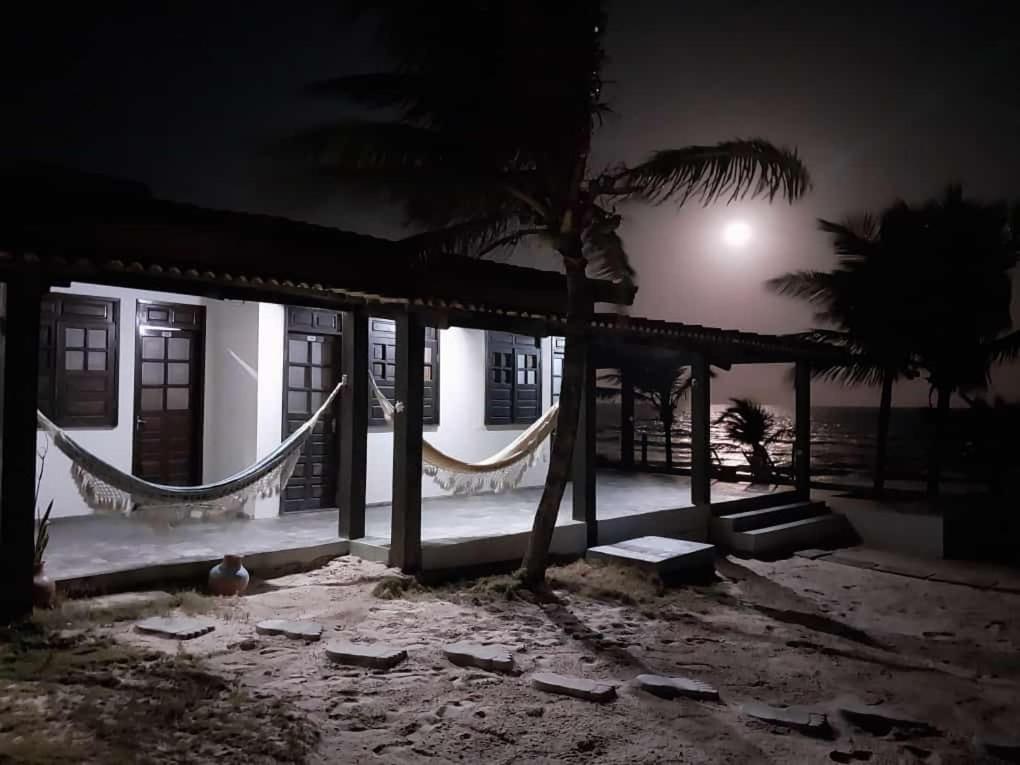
<point x="353" y="425"/>
<point x="17" y="490"/>
<point x="701" y="428"/>
<point x="626" y="421"/>
<point x="583" y="472"/>
<point x="802" y="429"/>
<point x="405" y="522"/>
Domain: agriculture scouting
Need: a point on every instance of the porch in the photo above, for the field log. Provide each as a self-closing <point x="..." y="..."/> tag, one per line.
<point x="112" y="552"/>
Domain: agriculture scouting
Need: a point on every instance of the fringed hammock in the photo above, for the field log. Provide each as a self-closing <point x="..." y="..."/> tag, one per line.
<point x="105" y="488"/>
<point x="500" y="472"/>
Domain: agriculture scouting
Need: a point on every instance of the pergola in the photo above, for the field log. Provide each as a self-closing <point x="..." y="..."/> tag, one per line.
<point x="85" y="229"/>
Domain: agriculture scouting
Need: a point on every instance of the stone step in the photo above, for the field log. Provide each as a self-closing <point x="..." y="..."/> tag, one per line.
<point x="784" y="538"/>
<point x="768" y="516"/>
<point x="662" y="555"/>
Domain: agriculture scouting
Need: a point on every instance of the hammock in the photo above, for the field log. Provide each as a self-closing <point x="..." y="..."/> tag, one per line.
<point x="502" y="471"/>
<point x="105" y="488"/>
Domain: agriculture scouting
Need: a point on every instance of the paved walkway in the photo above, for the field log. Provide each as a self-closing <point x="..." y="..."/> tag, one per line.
<point x="95" y="544"/>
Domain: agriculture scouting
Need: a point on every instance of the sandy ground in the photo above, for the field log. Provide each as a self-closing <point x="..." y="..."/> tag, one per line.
<point x="794" y="632"/>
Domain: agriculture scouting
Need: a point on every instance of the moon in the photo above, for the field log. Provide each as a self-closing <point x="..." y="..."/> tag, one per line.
<point x="736" y="233"/>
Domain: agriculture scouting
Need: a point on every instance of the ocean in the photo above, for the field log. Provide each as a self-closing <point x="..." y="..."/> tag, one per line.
<point x="842" y="439"/>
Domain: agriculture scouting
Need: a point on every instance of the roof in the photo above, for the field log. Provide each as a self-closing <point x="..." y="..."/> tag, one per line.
<point x="102" y="227"/>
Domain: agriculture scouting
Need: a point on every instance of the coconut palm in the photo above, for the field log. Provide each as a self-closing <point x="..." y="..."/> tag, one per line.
<point x="660" y="383"/>
<point x="489" y="111"/>
<point x="963" y="293"/>
<point x="754" y="427"/>
<point x="862" y="299"/>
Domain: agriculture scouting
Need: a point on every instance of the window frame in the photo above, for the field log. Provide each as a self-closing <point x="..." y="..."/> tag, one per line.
<point x="57" y="316"/>
<point x="515" y="344"/>
<point x="382" y="332"/>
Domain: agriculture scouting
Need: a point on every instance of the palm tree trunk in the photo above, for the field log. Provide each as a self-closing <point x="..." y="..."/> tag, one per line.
<point x="882" y="437"/>
<point x="579" y="306"/>
<point x="667" y="430"/>
<point x="938" y="445"/>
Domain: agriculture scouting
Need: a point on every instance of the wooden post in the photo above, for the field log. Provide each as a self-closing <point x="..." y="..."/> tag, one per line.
<point x="626" y="421"/>
<point x="17" y="490"/>
<point x="644" y="448"/>
<point x="802" y="429"/>
<point x="584" y="488"/>
<point x="353" y="425"/>
<point x="701" y="427"/>
<point x="405" y="522"/>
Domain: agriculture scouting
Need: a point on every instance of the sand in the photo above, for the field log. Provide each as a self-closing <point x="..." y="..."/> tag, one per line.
<point x="795" y="632"/>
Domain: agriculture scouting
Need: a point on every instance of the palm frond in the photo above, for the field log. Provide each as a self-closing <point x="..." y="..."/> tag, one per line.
<point x="376" y="90"/>
<point x="1006" y="348"/>
<point x="732" y="169"/>
<point x="473" y="238"/>
<point x="815" y="287"/>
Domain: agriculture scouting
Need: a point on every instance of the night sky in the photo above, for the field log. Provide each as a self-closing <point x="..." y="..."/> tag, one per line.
<point x="883" y="100"/>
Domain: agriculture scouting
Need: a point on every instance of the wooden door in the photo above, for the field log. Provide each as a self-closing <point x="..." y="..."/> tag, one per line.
<point x="169" y="351"/>
<point x="312" y="361"/>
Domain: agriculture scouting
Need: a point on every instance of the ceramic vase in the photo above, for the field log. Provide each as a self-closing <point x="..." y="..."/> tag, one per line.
<point x="44" y="589"/>
<point x="229" y="577"/>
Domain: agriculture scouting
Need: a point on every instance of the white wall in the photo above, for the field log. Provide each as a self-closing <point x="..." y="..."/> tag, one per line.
<point x="272" y="325"/>
<point x="461" y="432"/>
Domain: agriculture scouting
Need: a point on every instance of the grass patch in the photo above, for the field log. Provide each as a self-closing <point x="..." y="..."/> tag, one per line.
<point x="394" y="587"/>
<point x="607" y="581"/>
<point x="101" y="701"/>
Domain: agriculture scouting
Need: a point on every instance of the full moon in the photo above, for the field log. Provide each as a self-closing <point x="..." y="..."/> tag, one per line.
<point x="736" y="233"/>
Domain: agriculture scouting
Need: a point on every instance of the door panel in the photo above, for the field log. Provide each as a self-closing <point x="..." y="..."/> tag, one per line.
<point x="168" y="393"/>
<point x="312" y="369"/>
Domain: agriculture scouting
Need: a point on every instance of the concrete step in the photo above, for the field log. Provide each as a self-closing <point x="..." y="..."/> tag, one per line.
<point x="767" y="516"/>
<point x="785" y="538"/>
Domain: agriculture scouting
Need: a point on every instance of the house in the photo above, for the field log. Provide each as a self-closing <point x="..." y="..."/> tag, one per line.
<point x="182" y="344"/>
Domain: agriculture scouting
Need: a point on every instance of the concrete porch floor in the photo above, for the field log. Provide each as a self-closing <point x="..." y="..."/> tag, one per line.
<point x="85" y="547"/>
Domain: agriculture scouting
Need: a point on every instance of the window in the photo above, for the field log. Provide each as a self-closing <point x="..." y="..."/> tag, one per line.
<point x="559" y="345"/>
<point x="382" y="363"/>
<point x="78" y="337"/>
<point x="513" y="378"/>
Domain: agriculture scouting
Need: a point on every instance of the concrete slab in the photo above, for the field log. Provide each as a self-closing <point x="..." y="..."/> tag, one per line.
<point x="578" y="687"/>
<point x="660" y="554"/>
<point x="803" y="720"/>
<point x="812" y="554"/>
<point x="297" y="630"/>
<point x="492" y="657"/>
<point x="881" y="720"/>
<point x="674" y="687"/>
<point x="175" y="627"/>
<point x="372" y="655"/>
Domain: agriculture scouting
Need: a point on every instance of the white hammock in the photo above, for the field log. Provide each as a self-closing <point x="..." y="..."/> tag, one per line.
<point x="502" y="471"/>
<point x="105" y="488"/>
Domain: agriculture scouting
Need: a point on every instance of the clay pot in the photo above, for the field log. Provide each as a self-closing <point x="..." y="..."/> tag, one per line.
<point x="229" y="577"/>
<point x="44" y="589"/>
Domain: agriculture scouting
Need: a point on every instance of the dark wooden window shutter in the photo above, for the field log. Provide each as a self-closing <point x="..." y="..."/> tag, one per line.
<point x="559" y="346"/>
<point x="513" y="378"/>
<point x="78" y="341"/>
<point x="382" y="363"/>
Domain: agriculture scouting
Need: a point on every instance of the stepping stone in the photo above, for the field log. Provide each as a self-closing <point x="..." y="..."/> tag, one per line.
<point x="373" y="655"/>
<point x="812" y="554"/>
<point x="1004" y="747"/>
<point x="659" y="554"/>
<point x="673" y="687"/>
<point x="492" y="657"/>
<point x="177" y="627"/>
<point x="579" y="687"/>
<point x="292" y="629"/>
<point x="811" y="723"/>
<point x="881" y="720"/>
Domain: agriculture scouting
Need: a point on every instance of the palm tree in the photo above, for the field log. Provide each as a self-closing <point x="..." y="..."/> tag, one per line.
<point x="751" y="425"/>
<point x="485" y="141"/>
<point x="963" y="293"/>
<point x="660" y="383"/>
<point x="863" y="299"/>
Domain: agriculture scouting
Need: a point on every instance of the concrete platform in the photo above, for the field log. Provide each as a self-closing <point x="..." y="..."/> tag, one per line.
<point x="107" y="553"/>
<point x="659" y="554"/>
